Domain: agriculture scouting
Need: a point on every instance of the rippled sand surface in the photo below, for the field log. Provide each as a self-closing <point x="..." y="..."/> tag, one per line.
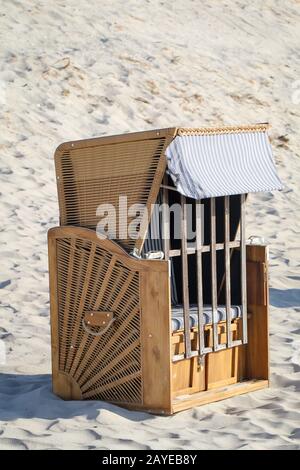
<point x="77" y="69"/>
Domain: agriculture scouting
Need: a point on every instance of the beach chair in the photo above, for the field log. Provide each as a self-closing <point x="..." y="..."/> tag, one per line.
<point x="148" y="318"/>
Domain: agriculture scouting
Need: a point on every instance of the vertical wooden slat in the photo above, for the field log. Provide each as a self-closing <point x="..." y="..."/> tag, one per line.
<point x="156" y="340"/>
<point x="159" y="172"/>
<point x="54" y="320"/>
<point x="243" y="270"/>
<point x="166" y="218"/>
<point x="213" y="271"/>
<point x="64" y="352"/>
<point x="199" y="277"/>
<point x="257" y="350"/>
<point x="227" y="270"/>
<point x="185" y="280"/>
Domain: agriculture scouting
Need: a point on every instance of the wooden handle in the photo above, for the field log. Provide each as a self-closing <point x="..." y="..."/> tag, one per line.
<point x="96" y="318"/>
<point x="102" y="320"/>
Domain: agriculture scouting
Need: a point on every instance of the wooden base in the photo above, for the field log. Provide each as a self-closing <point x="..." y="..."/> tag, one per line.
<point x="185" y="402"/>
<point x="133" y="365"/>
<point x="65" y="387"/>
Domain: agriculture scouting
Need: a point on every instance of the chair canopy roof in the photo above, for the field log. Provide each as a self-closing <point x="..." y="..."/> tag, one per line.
<point x="221" y="162"/>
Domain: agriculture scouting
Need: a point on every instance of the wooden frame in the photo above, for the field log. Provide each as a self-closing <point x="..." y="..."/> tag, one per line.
<point x="250" y="362"/>
<point x="152" y="309"/>
<point x="212" y="248"/>
<point x="127" y="354"/>
<point x="159" y="376"/>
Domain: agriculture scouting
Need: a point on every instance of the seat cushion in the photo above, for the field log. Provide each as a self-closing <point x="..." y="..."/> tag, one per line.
<point x="178" y="321"/>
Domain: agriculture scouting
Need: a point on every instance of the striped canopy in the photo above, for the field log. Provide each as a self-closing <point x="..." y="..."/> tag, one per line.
<point x="222" y="164"/>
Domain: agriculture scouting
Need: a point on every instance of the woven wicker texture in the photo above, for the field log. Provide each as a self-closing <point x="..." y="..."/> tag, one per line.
<point x="222" y="130"/>
<point x="106" y="367"/>
<point x="98" y="174"/>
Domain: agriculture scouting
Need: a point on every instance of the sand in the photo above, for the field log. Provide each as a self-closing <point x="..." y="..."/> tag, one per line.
<point x="75" y="69"/>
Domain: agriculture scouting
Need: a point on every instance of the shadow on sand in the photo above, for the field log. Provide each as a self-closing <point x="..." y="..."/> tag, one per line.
<point x="282" y="298"/>
<point x="30" y="396"/>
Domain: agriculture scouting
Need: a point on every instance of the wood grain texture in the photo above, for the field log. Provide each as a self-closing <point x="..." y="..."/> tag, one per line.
<point x="227" y="268"/>
<point x="205" y="249"/>
<point x="258" y="272"/>
<point x="263" y="127"/>
<point x="54" y="313"/>
<point x="113" y="139"/>
<point x="156" y="339"/>
<point x="185" y="277"/>
<point x="213" y="258"/>
<point x="166" y="218"/>
<point x="201" y="343"/>
<point x="210" y="396"/>
<point x="107" y="244"/>
<point x="257" y="357"/>
<point x="66" y="387"/>
<point x="219" y="368"/>
<point x="187" y="377"/>
<point x="131" y="364"/>
<point x="107" y="367"/>
<point x="243" y="269"/>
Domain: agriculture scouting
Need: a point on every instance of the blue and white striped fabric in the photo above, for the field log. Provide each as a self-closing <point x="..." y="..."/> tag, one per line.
<point x="215" y="165"/>
<point x="220" y="315"/>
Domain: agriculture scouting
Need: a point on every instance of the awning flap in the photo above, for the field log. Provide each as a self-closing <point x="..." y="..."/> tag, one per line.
<point x="204" y="166"/>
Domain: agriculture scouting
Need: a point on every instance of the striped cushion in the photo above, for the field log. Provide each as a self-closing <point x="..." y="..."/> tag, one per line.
<point x="177" y="315"/>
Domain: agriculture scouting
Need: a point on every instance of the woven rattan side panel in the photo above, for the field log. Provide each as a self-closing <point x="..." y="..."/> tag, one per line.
<point x="93" y="175"/>
<point x="106" y="367"/>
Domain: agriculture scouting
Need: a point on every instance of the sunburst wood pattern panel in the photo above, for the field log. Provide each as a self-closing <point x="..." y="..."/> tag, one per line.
<point x="129" y="363"/>
<point x="106" y="367"/>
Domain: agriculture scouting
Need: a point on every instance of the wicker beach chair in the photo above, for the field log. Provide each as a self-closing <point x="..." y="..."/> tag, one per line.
<point x="160" y="323"/>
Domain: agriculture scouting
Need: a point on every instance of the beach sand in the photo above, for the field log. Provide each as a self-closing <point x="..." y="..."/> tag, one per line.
<point x="77" y="69"/>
